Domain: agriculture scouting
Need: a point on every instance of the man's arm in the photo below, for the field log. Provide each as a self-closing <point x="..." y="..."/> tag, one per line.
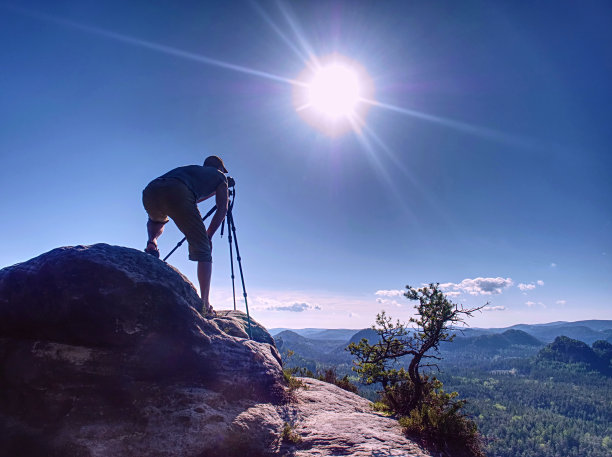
<point x="221" y="197"/>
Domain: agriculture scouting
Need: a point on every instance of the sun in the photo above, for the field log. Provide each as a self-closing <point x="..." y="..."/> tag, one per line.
<point x="331" y="94"/>
<point x="334" y="91"/>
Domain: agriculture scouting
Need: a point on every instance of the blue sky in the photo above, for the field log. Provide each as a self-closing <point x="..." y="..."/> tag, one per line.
<point x="485" y="165"/>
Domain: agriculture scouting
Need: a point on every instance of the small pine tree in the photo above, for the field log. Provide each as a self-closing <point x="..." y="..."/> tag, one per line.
<point x="408" y="393"/>
<point x="436" y="315"/>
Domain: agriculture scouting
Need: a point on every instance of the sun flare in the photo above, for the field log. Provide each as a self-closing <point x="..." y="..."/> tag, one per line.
<point x="334" y="91"/>
<point x="331" y="94"/>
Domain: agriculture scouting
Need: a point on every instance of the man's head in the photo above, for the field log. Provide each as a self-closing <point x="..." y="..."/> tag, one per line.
<point x="214" y="161"/>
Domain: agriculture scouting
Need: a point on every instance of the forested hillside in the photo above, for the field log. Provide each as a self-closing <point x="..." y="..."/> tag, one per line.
<point x="536" y="408"/>
<point x="567" y="350"/>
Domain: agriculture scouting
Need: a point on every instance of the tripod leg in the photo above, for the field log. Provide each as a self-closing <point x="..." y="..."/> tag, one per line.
<point x="232" y="226"/>
<point x="229" y="238"/>
<point x="175" y="248"/>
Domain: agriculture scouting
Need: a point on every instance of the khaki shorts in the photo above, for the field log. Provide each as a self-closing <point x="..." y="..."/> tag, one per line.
<point x="165" y="197"/>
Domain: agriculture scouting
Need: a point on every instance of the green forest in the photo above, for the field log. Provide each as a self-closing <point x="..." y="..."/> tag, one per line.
<point x="528" y="399"/>
<point x="534" y="408"/>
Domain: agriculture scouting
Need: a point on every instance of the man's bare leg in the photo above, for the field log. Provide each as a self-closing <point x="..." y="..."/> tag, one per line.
<point x="204" y="275"/>
<point x="154" y="230"/>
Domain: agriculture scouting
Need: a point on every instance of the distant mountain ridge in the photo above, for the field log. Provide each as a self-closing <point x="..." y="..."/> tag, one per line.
<point x="587" y="331"/>
<point x="328" y="346"/>
<point x="310" y="349"/>
<point x="494" y="341"/>
<point x="340" y="334"/>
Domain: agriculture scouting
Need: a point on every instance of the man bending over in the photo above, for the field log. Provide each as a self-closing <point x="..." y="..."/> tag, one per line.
<point x="176" y="195"/>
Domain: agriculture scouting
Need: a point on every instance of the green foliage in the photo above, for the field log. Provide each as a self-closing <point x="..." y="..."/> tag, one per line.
<point x="439" y="423"/>
<point x="549" y="408"/>
<point x="424" y="408"/>
<point x="289" y="434"/>
<point x="289" y="374"/>
<point x="375" y="362"/>
<point x="331" y="377"/>
<point x="603" y="350"/>
<point x="328" y="374"/>
<point x="381" y="407"/>
<point x="292" y="382"/>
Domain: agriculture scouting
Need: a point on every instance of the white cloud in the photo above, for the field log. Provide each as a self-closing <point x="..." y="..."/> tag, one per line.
<point x="561" y="302"/>
<point x="267" y="304"/>
<point x="334" y="311"/>
<point x="452" y="293"/>
<point x="294" y="307"/>
<point x="390" y="293"/>
<point x="479" y="286"/>
<point x="524" y="286"/>
<point x="385" y="301"/>
<point x="494" y="308"/>
<point x="553" y="264"/>
<point x="530" y="303"/>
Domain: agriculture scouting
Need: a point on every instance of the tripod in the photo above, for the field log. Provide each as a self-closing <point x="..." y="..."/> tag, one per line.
<point x="231" y="230"/>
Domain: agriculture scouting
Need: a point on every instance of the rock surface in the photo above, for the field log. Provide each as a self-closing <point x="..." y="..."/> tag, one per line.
<point x="331" y="421"/>
<point x="102" y="353"/>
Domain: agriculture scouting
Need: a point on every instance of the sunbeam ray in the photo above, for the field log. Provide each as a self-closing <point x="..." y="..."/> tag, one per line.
<point x="431" y="201"/>
<point x="312" y="57"/>
<point x="155" y="46"/>
<point x="457" y="125"/>
<point x="279" y="32"/>
<point x="388" y="151"/>
<point x="382" y="173"/>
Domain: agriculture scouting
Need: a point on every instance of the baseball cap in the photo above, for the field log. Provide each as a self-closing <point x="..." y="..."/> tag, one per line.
<point x="215" y="161"/>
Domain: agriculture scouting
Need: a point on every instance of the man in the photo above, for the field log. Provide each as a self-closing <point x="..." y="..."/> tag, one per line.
<point x="176" y="195"/>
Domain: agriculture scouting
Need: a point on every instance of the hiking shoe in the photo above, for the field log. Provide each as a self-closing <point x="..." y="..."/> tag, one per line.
<point x="208" y="313"/>
<point x="152" y="249"/>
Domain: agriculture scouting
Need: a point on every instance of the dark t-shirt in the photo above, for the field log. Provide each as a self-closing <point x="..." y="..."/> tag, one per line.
<point x="202" y="181"/>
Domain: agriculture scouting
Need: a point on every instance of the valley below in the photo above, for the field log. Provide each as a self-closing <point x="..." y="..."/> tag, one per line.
<point x="533" y="390"/>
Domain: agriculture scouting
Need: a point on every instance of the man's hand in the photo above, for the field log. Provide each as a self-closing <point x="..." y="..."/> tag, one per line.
<point x="222" y="203"/>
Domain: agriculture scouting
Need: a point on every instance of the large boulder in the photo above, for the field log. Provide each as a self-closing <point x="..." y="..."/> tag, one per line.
<point x="87" y="332"/>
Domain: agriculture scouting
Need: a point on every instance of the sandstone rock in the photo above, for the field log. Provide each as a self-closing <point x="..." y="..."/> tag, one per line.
<point x="332" y="421"/>
<point x="88" y="331"/>
<point x="235" y="323"/>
